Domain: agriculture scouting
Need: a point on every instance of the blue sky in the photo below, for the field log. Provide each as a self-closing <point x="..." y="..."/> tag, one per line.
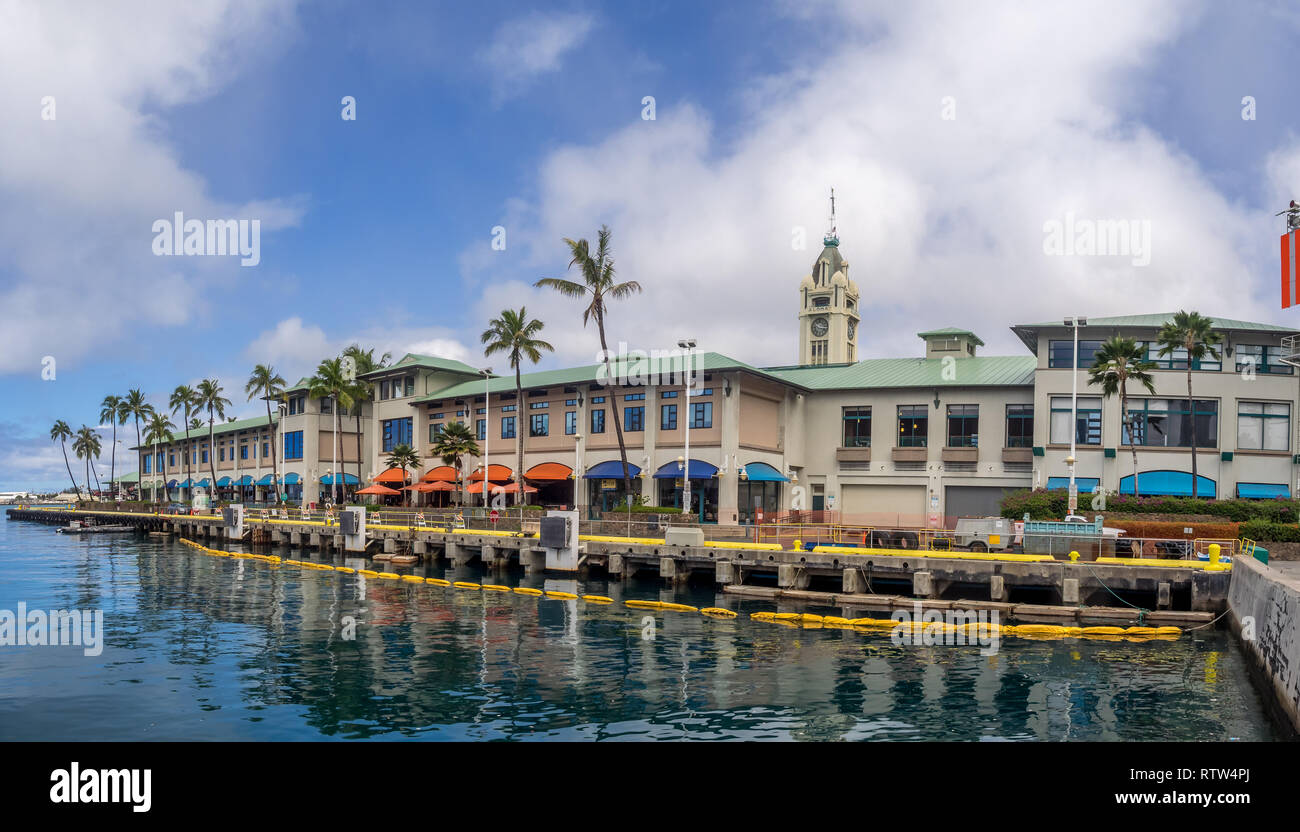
<point x="471" y="116"/>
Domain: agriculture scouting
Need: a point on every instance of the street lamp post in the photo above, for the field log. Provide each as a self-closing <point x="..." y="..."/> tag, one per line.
<point x="487" y="432"/>
<point x="1073" y="495"/>
<point x="687" y="344"/>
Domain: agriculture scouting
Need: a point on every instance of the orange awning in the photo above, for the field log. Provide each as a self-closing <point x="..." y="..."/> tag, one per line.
<point x="378" y="489"/>
<point x="496" y="473"/>
<point x="549" y="471"/>
<point x="512" y="488"/>
<point x="393" y="475"/>
<point x="443" y="473"/>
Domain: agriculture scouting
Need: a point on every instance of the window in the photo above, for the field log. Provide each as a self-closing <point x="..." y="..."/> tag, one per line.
<point x="1177" y="360"/>
<point x="597" y="421"/>
<point x="857" y="427"/>
<point x="570" y="402"/>
<point x="266" y="449"/>
<point x="1087" y="428"/>
<point x="1262" y="359"/>
<point x="1166" y="423"/>
<point x="963" y="425"/>
<point x="913" y="425"/>
<point x="410" y="385"/>
<point x="398" y="432"/>
<point x="293" y="445"/>
<point x="701" y="415"/>
<point x="326" y="405"/>
<point x="538" y="405"/>
<point x="480" y="411"/>
<point x="507" y="427"/>
<point x="820" y="352"/>
<point x="243" y="452"/>
<point x="205" y="457"/>
<point x="1059" y="352"/>
<point x="668" y="394"/>
<point x="1020" y="425"/>
<point x="435" y="430"/>
<point x="668" y="417"/>
<point x="597" y="399"/>
<point x="146" y="464"/>
<point x="297" y="404"/>
<point x="821" y="300"/>
<point x="1263" y="426"/>
<point x="221" y="454"/>
<point x="570" y="423"/>
<point x="171" y="460"/>
<point x="634" y="397"/>
<point x="480" y="429"/>
<point x="539" y="424"/>
<point x="507" y="408"/>
<point x="633" y="419"/>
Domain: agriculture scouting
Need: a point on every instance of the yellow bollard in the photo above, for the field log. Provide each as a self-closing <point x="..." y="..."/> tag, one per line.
<point x="1074" y="556"/>
<point x="1214" y="554"/>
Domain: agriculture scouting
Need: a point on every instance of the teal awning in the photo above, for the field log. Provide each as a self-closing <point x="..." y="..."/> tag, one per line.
<point x="187" y="484"/>
<point x="267" y="480"/>
<point x="762" y="472"/>
<point x="1168" y="484"/>
<point x="1256" y="490"/>
<point x="1086" y="485"/>
<point x="171" y="484"/>
<point x="700" y="470"/>
<point x="611" y="470"/>
<point x="348" y="479"/>
<point x="290" y="479"/>
<point x="244" y="480"/>
<point x="203" y="483"/>
<point x="224" y="482"/>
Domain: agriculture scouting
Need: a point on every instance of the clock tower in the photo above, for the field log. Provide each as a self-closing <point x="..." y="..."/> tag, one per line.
<point x="828" y="306"/>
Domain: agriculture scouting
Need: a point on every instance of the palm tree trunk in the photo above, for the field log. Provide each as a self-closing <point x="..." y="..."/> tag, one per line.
<point x="189" y="450"/>
<point x="618" y="426"/>
<point x="1191" y="414"/>
<point x="212" y="458"/>
<point x="270" y="430"/>
<point x="99" y="488"/>
<point x="1126" y="419"/>
<point x="68" y="465"/>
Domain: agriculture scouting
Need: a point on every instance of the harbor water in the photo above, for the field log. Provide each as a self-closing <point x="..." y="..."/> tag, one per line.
<point x="197" y="647"/>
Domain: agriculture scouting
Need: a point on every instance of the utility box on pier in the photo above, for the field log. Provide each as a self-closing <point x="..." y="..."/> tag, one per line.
<point x="558" y="535"/>
<point x="233" y="520"/>
<point x="352" y="525"/>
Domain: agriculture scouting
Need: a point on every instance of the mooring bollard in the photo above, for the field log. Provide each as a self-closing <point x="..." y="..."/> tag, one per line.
<point x="1214" y="554"/>
<point x="1074" y="557"/>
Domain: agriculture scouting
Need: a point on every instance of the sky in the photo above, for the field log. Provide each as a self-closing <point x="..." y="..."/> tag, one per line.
<point x="953" y="133"/>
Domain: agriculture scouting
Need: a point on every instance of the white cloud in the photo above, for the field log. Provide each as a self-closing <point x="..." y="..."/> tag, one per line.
<point x="942" y="221"/>
<point x="526" y="47"/>
<point x="79" y="193"/>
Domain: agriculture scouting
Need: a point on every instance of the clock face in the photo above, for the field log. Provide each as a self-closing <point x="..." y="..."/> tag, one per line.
<point x="820" y="327"/>
<point x="853" y="328"/>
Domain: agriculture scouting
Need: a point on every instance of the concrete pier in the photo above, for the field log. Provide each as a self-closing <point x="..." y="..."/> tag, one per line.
<point x="1264" y="611"/>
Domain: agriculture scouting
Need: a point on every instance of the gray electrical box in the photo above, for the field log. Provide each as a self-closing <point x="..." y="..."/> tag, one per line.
<point x="554" y="532"/>
<point x="348" y="523"/>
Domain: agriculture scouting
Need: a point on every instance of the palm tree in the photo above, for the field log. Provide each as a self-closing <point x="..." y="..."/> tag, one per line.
<point x="330" y="382"/>
<point x="456" y="441"/>
<point x="404" y="456"/>
<point x="362" y="390"/>
<point x="1117" y="362"/>
<point x="159" y="430"/>
<point x="209" y="398"/>
<point x="196" y="423"/>
<point x="598" y="282"/>
<point x="109" y="409"/>
<point x="138" y="409"/>
<point x="182" y="399"/>
<point x="62" y="432"/>
<point x="86" y="446"/>
<point x="516" y="336"/>
<point x="266" y="383"/>
<point x="1193" y="333"/>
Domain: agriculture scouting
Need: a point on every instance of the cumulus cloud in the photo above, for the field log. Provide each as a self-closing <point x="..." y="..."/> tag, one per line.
<point x="942" y="219"/>
<point x="530" y="46"/>
<point x="79" y="192"/>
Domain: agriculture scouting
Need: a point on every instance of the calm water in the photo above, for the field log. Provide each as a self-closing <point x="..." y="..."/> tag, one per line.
<point x="200" y="647"/>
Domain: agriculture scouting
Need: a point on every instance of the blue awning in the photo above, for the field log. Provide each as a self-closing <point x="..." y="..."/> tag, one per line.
<point x="762" y="472"/>
<point x="1168" y="484"/>
<point x="171" y="484"/>
<point x="267" y="480"/>
<point x="613" y="469"/>
<point x="700" y="470"/>
<point x="1086" y="485"/>
<point x="244" y="480"/>
<point x="290" y="479"/>
<point x="203" y="483"/>
<point x="348" y="479"/>
<point x="187" y="484"/>
<point x="1257" y="490"/>
<point x="224" y="482"/>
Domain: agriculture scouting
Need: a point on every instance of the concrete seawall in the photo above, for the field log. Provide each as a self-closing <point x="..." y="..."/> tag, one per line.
<point x="1265" y="600"/>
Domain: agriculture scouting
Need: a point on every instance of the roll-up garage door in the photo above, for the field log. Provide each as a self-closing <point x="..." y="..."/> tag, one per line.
<point x="882" y="505"/>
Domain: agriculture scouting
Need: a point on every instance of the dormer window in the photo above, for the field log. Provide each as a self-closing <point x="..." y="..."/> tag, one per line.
<point x="821" y="300"/>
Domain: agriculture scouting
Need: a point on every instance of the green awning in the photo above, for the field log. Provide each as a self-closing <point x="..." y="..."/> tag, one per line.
<point x="762" y="472"/>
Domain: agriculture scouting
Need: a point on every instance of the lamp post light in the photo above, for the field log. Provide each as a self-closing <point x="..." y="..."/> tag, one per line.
<point x="486" y="372"/>
<point x="688" y="344"/>
<point x="1074" y="324"/>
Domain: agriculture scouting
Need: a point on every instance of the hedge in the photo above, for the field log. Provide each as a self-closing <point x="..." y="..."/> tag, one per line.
<point x="1174" y="530"/>
<point x="1042" y="504"/>
<point x="1263" y="531"/>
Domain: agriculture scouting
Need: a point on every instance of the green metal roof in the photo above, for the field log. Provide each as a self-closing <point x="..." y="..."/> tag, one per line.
<point x="952" y="332"/>
<point x="425" y="362"/>
<point x="1028" y="333"/>
<point x="985" y="371"/>
<point x="704" y="362"/>
<point x="218" y="429"/>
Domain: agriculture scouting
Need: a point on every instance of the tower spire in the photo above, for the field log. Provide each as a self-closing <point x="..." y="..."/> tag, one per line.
<point x="832" y="236"/>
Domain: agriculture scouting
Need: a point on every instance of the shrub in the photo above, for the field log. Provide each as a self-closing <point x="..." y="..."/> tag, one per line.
<point x="1174" y="530"/>
<point x="1264" y="531"/>
<point x="1042" y="504"/>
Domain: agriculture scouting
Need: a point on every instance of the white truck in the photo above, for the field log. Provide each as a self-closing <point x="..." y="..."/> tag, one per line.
<point x="985" y="534"/>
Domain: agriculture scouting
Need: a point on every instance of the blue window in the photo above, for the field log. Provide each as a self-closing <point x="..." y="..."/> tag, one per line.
<point x="243" y="452"/>
<point x="597" y="399"/>
<point x="160" y="461"/>
<point x="398" y="432"/>
<point x="597" y="421"/>
<point x="480" y="429"/>
<point x="266" y="449"/>
<point x="633" y="419"/>
<point x="668" y="394"/>
<point x="570" y="423"/>
<point x="205" y="457"/>
<point x="634" y="397"/>
<point x="146" y="464"/>
<point x="171" y="460"/>
<point x="507" y="427"/>
<point x="668" y="417"/>
<point x="538" y="405"/>
<point x="435" y="431"/>
<point x="293" y="445"/>
<point x="540" y="425"/>
<point x="701" y="415"/>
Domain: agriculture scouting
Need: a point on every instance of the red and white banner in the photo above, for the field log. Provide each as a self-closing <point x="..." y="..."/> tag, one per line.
<point x="1290" y="277"/>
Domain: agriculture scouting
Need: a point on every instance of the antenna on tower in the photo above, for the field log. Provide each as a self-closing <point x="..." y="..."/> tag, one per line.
<point x="832" y="236"/>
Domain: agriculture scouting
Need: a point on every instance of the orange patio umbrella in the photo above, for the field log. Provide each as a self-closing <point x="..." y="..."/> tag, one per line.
<point x="512" y="488"/>
<point x="379" y="489"/>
